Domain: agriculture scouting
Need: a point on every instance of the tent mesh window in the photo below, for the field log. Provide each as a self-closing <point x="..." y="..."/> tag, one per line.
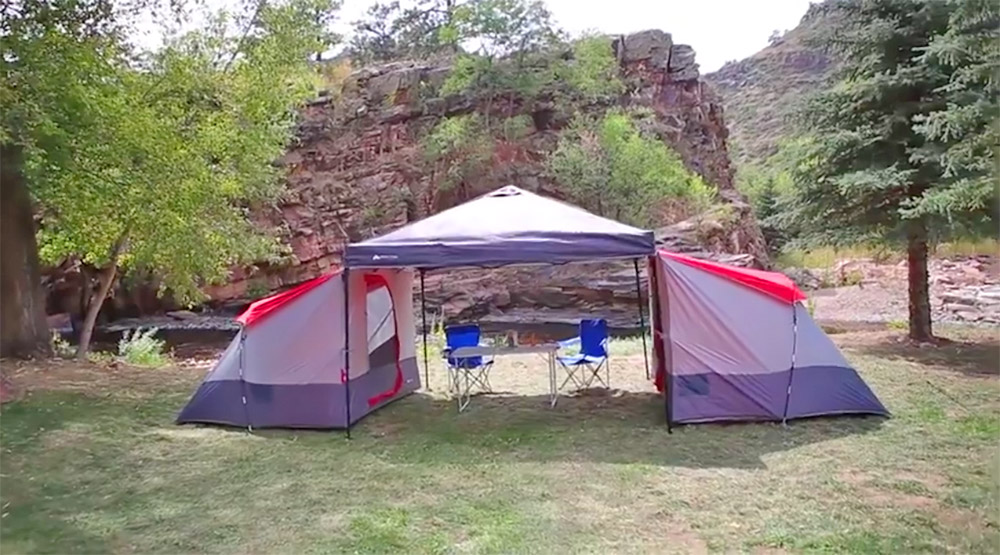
<point x="381" y="328"/>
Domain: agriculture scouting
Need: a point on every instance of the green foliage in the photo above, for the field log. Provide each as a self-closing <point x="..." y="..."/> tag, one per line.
<point x="609" y="167"/>
<point x="512" y="38"/>
<point x="142" y="348"/>
<point x="594" y="72"/>
<point x="257" y="290"/>
<point x="457" y="149"/>
<point x="867" y="171"/>
<point x="963" y="135"/>
<point x="392" y="30"/>
<point x="153" y="169"/>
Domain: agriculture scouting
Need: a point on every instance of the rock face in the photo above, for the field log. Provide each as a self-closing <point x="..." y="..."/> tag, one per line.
<point x="357" y="171"/>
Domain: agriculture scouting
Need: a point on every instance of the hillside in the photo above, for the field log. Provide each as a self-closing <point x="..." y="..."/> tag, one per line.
<point x="760" y="92"/>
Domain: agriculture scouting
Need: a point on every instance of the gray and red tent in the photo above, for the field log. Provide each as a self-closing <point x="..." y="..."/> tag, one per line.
<point x="730" y="343"/>
<point x="737" y="344"/>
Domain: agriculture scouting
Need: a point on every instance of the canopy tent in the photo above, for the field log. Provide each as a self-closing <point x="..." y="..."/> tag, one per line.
<point x="736" y="344"/>
<point x="507" y="226"/>
<point x="287" y="366"/>
<point x="504" y="227"/>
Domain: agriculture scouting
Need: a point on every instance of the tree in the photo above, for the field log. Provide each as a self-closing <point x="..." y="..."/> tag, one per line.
<point x="48" y="55"/>
<point x="609" y="167"/>
<point x="964" y="135"/>
<point x="390" y="31"/>
<point x="874" y="165"/>
<point x="167" y="151"/>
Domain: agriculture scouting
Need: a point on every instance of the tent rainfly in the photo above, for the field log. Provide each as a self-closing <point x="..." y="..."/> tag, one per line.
<point x="737" y="344"/>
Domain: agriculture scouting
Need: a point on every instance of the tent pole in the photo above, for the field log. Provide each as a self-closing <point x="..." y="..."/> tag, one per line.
<point x="791" y="370"/>
<point x="642" y="319"/>
<point x="243" y="381"/>
<point x="347" y="351"/>
<point x="423" y="327"/>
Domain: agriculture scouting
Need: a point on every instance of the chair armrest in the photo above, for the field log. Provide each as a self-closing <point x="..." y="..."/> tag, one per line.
<point x="572" y="341"/>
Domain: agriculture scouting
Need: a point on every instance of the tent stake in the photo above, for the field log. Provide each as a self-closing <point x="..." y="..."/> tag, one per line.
<point x="642" y="319"/>
<point x="347" y="351"/>
<point x="423" y="327"/>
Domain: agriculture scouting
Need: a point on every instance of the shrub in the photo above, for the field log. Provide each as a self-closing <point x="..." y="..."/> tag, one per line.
<point x="60" y="347"/>
<point x="609" y="167"/>
<point x="142" y="348"/>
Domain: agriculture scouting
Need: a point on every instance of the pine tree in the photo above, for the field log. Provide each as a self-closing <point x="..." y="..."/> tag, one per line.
<point x="875" y="168"/>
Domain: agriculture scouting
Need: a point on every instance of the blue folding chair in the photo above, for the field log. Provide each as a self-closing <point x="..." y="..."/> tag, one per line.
<point x="584" y="368"/>
<point x="474" y="369"/>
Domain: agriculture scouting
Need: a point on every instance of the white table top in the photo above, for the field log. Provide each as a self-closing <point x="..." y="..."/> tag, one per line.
<point x="500" y="350"/>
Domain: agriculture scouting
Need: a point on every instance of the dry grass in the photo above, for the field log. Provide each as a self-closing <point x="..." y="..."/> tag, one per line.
<point x="827" y="257"/>
<point x="92" y="462"/>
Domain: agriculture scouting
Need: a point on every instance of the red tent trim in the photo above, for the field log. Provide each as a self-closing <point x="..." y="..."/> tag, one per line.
<point x="259" y="309"/>
<point x="774" y="284"/>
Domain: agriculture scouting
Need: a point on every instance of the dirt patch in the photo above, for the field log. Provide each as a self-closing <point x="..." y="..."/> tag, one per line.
<point x="678" y="535"/>
<point x="25" y="377"/>
<point x="873" y="493"/>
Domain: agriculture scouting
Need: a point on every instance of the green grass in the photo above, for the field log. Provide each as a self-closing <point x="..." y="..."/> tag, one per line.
<point x="96" y="465"/>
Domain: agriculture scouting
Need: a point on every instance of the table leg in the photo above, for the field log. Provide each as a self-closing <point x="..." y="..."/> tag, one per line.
<point x="553" y="391"/>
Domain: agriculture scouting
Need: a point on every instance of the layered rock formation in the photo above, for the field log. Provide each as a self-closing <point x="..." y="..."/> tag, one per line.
<point x="357" y="171"/>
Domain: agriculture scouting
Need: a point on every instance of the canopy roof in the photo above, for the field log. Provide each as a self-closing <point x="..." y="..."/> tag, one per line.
<point x="775" y="284"/>
<point x="508" y="226"/>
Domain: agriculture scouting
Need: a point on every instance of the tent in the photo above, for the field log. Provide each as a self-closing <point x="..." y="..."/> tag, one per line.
<point x="731" y="344"/>
<point x="507" y="226"/>
<point x="737" y="344"/>
<point x="287" y="367"/>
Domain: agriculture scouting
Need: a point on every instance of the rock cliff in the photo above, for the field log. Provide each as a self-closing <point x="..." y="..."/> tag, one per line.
<point x="356" y="171"/>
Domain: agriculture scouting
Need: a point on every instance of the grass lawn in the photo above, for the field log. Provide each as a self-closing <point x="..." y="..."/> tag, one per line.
<point x="92" y="462"/>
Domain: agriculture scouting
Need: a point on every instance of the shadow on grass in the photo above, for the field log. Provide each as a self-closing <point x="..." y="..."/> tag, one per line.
<point x="616" y="427"/>
<point x="972" y="358"/>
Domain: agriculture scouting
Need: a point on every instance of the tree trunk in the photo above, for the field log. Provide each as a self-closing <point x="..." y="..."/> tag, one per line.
<point x="105" y="279"/>
<point x="24" y="330"/>
<point x="919" y="288"/>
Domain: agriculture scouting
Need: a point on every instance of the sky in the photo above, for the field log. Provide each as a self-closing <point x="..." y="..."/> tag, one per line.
<point x="719" y="30"/>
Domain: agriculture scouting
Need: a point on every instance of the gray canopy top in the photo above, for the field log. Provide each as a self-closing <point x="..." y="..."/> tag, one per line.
<point x="507" y="226"/>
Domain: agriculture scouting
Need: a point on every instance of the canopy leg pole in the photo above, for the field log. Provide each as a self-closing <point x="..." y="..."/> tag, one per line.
<point x="642" y="318"/>
<point x="346" y="378"/>
<point x="791" y="369"/>
<point x="423" y="327"/>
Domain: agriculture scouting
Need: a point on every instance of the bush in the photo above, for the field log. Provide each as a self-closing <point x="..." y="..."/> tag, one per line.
<point x="60" y="347"/>
<point x="141" y="348"/>
<point x="609" y="167"/>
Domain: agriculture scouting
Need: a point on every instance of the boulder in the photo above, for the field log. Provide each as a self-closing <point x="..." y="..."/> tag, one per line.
<point x="682" y="66"/>
<point x="652" y="46"/>
<point x="804" y="278"/>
